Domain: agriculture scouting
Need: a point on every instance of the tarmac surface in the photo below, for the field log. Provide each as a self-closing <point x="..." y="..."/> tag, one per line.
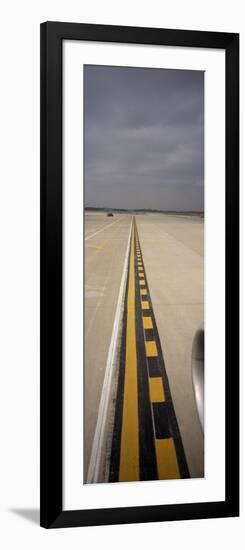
<point x="170" y="249"/>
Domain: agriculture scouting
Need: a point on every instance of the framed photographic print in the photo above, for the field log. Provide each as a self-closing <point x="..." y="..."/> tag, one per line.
<point x="139" y="274"/>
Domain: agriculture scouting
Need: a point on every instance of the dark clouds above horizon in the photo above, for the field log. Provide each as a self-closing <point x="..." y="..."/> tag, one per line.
<point x="144" y="138"/>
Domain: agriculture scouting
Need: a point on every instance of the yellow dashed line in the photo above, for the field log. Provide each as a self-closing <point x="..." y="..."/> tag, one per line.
<point x="141" y="275"/>
<point x="145" y="305"/>
<point x="151" y="348"/>
<point x="147" y="323"/>
<point x="156" y="390"/>
<point x="142" y="282"/>
<point x="166" y="459"/>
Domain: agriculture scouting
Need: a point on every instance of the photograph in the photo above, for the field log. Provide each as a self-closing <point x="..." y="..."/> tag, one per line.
<point x="139" y="270"/>
<point x="144" y="220"/>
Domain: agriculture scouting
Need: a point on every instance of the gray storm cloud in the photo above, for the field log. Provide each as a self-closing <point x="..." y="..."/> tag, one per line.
<point x="144" y="138"/>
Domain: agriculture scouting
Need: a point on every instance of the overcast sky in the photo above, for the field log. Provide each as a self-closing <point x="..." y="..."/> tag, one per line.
<point x="144" y="138"/>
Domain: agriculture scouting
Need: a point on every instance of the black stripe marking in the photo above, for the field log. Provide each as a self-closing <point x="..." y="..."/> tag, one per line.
<point x="148" y="464"/>
<point x="153" y="367"/>
<point x="149" y="336"/>
<point x="161" y="419"/>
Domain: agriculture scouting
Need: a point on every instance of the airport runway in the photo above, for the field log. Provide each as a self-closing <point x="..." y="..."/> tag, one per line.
<point x="151" y="409"/>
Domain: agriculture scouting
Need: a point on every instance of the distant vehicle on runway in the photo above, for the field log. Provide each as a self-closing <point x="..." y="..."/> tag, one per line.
<point x="110" y="214"/>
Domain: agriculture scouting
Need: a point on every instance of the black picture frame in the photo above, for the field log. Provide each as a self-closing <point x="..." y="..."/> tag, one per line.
<point x="52" y="35"/>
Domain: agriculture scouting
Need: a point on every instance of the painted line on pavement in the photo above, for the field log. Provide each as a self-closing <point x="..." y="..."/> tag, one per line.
<point x="146" y="442"/>
<point x="102" y="229"/>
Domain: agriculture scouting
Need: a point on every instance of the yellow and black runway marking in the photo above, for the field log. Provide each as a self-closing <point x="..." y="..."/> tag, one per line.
<point x="146" y="443"/>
